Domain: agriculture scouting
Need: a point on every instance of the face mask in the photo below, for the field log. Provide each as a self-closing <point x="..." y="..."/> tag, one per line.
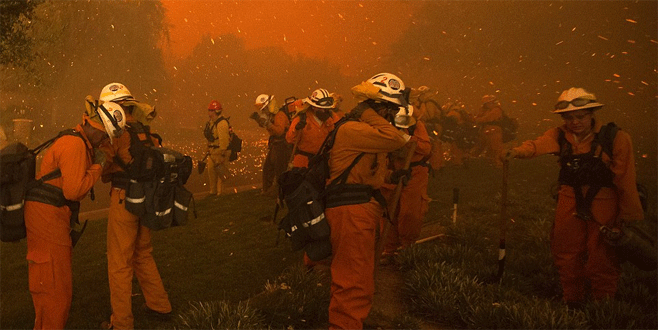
<point x="323" y="115"/>
<point x="403" y="118"/>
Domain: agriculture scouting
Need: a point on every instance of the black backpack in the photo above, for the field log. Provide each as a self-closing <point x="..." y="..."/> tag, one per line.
<point x="303" y="189"/>
<point x="156" y="192"/>
<point x="17" y="173"/>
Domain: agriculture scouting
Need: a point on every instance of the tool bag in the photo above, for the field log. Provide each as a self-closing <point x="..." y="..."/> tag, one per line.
<point x="156" y="191"/>
<point x="17" y="176"/>
<point x="304" y="191"/>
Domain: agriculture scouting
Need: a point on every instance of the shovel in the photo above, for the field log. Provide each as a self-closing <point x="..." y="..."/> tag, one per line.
<point x="202" y="164"/>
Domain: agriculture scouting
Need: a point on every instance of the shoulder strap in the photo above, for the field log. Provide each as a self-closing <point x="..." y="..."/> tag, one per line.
<point x="565" y="147"/>
<point x="56" y="173"/>
<point x="606" y="137"/>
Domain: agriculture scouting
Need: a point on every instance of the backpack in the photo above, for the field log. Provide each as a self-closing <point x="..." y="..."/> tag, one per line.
<point x="509" y="126"/>
<point x="156" y="192"/>
<point x="17" y="176"/>
<point x="605" y="138"/>
<point x="234" y="141"/>
<point x="303" y="190"/>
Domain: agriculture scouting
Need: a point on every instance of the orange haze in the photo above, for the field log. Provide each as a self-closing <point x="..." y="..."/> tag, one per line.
<point x="343" y="32"/>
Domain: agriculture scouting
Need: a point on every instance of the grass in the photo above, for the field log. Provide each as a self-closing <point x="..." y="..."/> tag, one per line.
<point x="226" y="263"/>
<point x="226" y="254"/>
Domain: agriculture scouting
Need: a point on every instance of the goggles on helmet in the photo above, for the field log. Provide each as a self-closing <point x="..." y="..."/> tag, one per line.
<point x="577" y="102"/>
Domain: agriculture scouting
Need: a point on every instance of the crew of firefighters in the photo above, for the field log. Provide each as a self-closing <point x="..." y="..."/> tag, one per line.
<point x="398" y="134"/>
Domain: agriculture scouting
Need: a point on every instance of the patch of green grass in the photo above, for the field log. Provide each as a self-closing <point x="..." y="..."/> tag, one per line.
<point x="226" y="254"/>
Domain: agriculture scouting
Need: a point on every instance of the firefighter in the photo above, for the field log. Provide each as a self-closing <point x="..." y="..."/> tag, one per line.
<point x="599" y="190"/>
<point x="427" y="110"/>
<point x="217" y="134"/>
<point x="491" y="134"/>
<point x="413" y="202"/>
<point x="464" y="140"/>
<point x="308" y="131"/>
<point x="309" y="128"/>
<point x="128" y="242"/>
<point x="277" y="123"/>
<point x="353" y="210"/>
<point x="52" y="207"/>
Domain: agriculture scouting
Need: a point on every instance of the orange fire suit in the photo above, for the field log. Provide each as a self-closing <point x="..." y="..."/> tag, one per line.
<point x="218" y="157"/>
<point x="48" y="242"/>
<point x="310" y="138"/>
<point x="278" y="155"/>
<point x="491" y="135"/>
<point x="353" y="227"/>
<point x="129" y="246"/>
<point x="578" y="250"/>
<point x="430" y="113"/>
<point x="413" y="202"/>
<point x="457" y="154"/>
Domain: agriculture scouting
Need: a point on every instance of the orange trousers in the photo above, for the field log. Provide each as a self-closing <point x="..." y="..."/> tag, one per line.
<point x="580" y="254"/>
<point x="129" y="253"/>
<point x="412" y="207"/>
<point x="50" y="282"/>
<point x="491" y="142"/>
<point x="353" y="229"/>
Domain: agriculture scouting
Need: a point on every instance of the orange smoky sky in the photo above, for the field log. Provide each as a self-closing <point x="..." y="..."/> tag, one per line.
<point x="342" y="32"/>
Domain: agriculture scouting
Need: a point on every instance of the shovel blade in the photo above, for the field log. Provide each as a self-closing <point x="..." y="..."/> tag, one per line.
<point x="201" y="166"/>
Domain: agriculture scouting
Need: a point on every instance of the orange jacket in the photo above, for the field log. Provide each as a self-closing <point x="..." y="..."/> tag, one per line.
<point x="311" y="136"/>
<point x="73" y="157"/>
<point x="486" y="116"/>
<point x="623" y="165"/>
<point x="279" y="125"/>
<point x="373" y="135"/>
<point x="423" y="147"/>
<point x="121" y="148"/>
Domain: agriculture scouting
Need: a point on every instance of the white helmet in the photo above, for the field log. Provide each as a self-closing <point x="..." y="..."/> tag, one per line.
<point x="113" y="118"/>
<point x="263" y="100"/>
<point x="575" y="99"/>
<point x="115" y="92"/>
<point x="321" y="99"/>
<point x="390" y="87"/>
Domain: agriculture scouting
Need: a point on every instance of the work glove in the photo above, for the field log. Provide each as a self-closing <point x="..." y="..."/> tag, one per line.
<point x="255" y="116"/>
<point x="401" y="174"/>
<point x="99" y="157"/>
<point x="357" y="112"/>
<point x="508" y="155"/>
<point x="301" y="124"/>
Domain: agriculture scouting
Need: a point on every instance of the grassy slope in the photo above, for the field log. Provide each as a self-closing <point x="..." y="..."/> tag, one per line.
<point x="227" y="254"/>
<point x="224" y="254"/>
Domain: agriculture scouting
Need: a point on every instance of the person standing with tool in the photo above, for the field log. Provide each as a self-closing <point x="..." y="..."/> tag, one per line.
<point x="354" y="207"/>
<point x="276" y="122"/>
<point x="412" y="204"/>
<point x="217" y="134"/>
<point x="129" y="248"/>
<point x="67" y="173"/>
<point x="308" y="131"/>
<point x="597" y="188"/>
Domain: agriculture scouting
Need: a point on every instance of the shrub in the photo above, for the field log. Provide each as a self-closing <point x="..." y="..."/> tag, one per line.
<point x="219" y="315"/>
<point x="297" y="299"/>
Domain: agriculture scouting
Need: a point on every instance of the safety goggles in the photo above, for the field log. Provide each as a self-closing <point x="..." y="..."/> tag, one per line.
<point x="577" y="102"/>
<point x="324" y="102"/>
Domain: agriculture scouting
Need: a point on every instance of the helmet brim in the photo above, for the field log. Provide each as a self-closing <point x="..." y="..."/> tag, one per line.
<point x="571" y="107"/>
<point x="315" y="105"/>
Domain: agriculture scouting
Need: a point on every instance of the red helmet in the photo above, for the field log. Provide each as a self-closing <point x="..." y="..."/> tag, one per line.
<point x="215" y="106"/>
